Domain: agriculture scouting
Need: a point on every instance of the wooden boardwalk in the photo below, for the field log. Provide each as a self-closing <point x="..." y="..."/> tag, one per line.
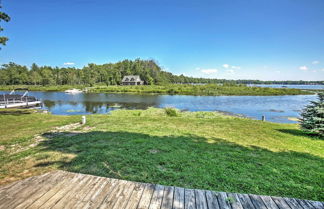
<point x="60" y="189"/>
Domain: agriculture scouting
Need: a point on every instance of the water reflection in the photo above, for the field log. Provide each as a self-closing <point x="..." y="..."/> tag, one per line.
<point x="283" y="109"/>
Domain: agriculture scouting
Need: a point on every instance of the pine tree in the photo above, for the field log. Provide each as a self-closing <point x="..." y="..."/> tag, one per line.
<point x="312" y="116"/>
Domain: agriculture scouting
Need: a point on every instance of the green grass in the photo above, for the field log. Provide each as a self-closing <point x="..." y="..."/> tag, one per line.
<point x="197" y="150"/>
<point x="181" y="89"/>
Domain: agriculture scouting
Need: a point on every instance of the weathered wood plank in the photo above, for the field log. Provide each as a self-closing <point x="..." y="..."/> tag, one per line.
<point x="167" y="197"/>
<point x="257" y="202"/>
<point x="293" y="203"/>
<point x="15" y="198"/>
<point x="281" y="203"/>
<point x="135" y="196"/>
<point x="222" y="200"/>
<point x="316" y="204"/>
<point x="212" y="201"/>
<point x="111" y="199"/>
<point x="201" y="202"/>
<point x="234" y="201"/>
<point x="76" y="194"/>
<point x="179" y="198"/>
<point x="157" y="197"/>
<point x="305" y="204"/>
<point x="245" y="201"/>
<point x="122" y="199"/>
<point x="146" y="196"/>
<point x="99" y="185"/>
<point x="61" y="192"/>
<point x="98" y="197"/>
<point x="268" y="202"/>
<point x="41" y="189"/>
<point x="190" y="200"/>
<point x="44" y="198"/>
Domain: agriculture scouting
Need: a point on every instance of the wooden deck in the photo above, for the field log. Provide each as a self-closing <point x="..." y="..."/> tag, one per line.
<point x="60" y="189"/>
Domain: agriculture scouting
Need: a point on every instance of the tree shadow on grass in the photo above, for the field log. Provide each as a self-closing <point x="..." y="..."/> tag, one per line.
<point x="296" y="132"/>
<point x="188" y="161"/>
<point x="15" y="112"/>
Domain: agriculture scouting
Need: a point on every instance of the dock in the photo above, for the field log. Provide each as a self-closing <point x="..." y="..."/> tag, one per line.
<point x="61" y="189"/>
<point x="13" y="100"/>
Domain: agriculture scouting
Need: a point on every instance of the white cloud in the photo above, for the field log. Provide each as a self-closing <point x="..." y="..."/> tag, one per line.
<point x="209" y="71"/>
<point x="278" y="71"/>
<point x="304" y="68"/>
<point x="226" y="66"/>
<point x="230" y="71"/>
<point x="315" y="62"/>
<point x="322" y="69"/>
<point x="236" y="67"/>
<point x="314" y="71"/>
<point x="69" y="63"/>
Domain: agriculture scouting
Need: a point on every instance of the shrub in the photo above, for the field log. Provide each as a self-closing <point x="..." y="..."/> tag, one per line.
<point x="312" y="116"/>
<point x="171" y="112"/>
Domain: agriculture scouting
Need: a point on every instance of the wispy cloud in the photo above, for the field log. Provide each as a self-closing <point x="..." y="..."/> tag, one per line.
<point x="231" y="66"/>
<point x="315" y="62"/>
<point x="69" y="63"/>
<point x="209" y="71"/>
<point x="304" y="68"/>
<point x="226" y="66"/>
<point x="230" y="71"/>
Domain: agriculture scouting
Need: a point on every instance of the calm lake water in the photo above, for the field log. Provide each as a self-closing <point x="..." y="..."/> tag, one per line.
<point x="275" y="108"/>
<point x="290" y="86"/>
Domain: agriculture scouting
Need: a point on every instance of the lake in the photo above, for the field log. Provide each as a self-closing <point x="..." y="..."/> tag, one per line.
<point x="314" y="87"/>
<point x="276" y="108"/>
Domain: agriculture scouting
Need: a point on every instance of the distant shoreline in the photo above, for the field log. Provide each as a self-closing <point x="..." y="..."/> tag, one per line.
<point x="175" y="89"/>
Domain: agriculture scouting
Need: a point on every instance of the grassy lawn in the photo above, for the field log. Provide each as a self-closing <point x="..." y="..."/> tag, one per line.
<point x="195" y="150"/>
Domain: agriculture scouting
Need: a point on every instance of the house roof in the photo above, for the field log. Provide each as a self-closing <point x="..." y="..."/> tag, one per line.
<point x="131" y="78"/>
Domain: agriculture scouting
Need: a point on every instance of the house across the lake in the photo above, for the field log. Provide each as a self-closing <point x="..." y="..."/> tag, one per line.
<point x="132" y="80"/>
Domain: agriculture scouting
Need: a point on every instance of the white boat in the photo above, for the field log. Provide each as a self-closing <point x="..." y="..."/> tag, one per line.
<point x="73" y="91"/>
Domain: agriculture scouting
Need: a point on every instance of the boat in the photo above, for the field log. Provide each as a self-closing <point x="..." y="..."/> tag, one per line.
<point x="13" y="100"/>
<point x="73" y="91"/>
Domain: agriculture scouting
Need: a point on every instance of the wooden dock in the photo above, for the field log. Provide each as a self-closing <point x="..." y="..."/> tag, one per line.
<point x="60" y="189"/>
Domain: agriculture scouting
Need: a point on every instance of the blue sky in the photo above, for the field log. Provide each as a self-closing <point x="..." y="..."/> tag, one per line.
<point x="233" y="39"/>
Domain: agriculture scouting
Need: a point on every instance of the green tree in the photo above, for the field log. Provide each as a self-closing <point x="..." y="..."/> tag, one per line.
<point x="6" y="18"/>
<point x="312" y="116"/>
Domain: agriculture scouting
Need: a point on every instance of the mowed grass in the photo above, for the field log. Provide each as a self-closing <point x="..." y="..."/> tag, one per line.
<point x="195" y="150"/>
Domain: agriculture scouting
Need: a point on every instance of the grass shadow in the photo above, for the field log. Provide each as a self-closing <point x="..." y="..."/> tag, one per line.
<point x="188" y="161"/>
<point x="15" y="112"/>
<point x="302" y="133"/>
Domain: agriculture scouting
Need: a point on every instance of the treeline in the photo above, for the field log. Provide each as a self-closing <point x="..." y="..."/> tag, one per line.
<point x="109" y="74"/>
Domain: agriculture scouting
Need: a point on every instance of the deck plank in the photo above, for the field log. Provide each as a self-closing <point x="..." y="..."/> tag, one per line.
<point x="42" y="188"/>
<point x="257" y="202"/>
<point x="135" y="196"/>
<point x="212" y="201"/>
<point x="293" y="203"/>
<point x="23" y="192"/>
<point x="190" y="200"/>
<point x="62" y="189"/>
<point x="246" y="201"/>
<point x="281" y="203"/>
<point x="168" y="195"/>
<point x="75" y="195"/>
<point x="269" y="202"/>
<point x="234" y="201"/>
<point x="146" y="197"/>
<point x="316" y="204"/>
<point x="201" y="201"/>
<point x="44" y="198"/>
<point x="179" y="198"/>
<point x="97" y="198"/>
<point x="60" y="192"/>
<point x="222" y="200"/>
<point x="111" y="200"/>
<point x="157" y="197"/>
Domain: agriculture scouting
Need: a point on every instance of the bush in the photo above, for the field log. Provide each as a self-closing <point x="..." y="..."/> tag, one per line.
<point x="312" y="116"/>
<point x="171" y="112"/>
